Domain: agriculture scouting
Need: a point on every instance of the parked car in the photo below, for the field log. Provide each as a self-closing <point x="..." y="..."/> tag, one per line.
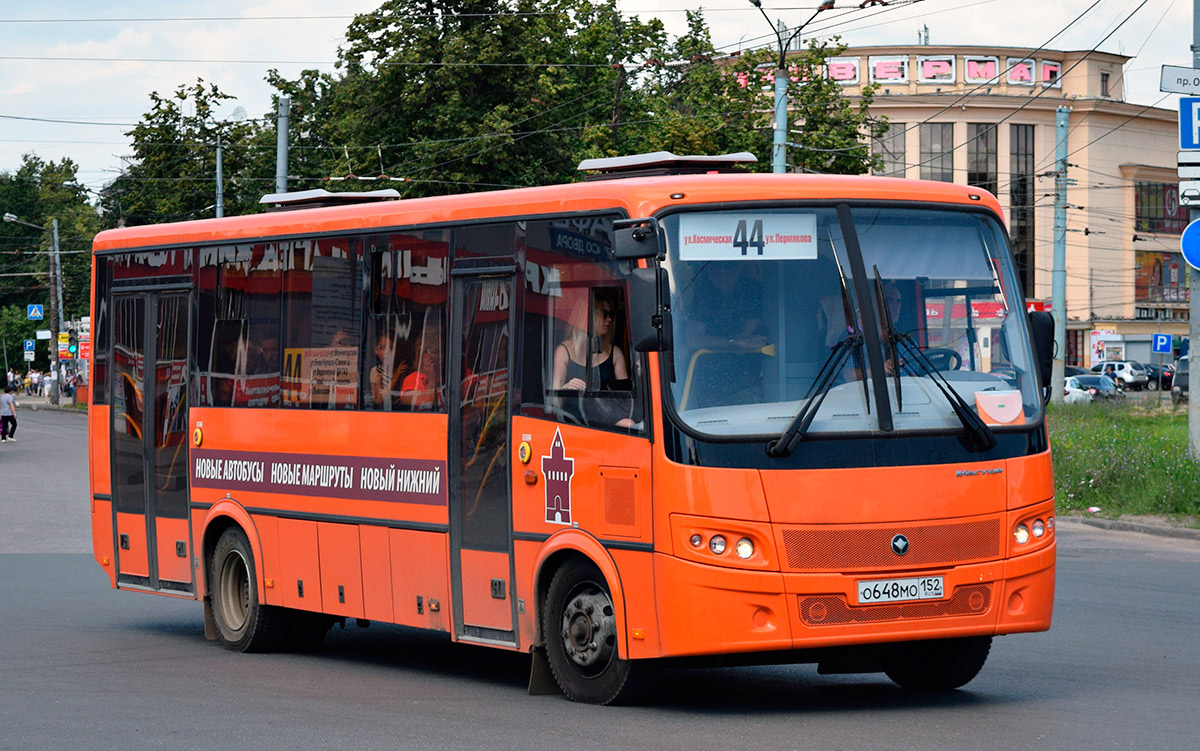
<point x="1126" y="373"/>
<point x="1179" y="386"/>
<point x="1074" y="370"/>
<point x="1160" y="376"/>
<point x="1091" y="388"/>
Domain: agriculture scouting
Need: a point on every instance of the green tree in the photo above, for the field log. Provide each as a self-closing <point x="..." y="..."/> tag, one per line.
<point x="172" y="175"/>
<point x="39" y="192"/>
<point x="457" y="95"/>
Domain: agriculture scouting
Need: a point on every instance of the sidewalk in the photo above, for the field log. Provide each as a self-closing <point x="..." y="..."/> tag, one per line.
<point x="35" y="403"/>
<point x="1161" y="530"/>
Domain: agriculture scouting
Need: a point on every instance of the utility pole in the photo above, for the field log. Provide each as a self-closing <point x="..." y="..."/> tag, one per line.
<point x="1058" y="279"/>
<point x="56" y="315"/>
<point x="281" y="144"/>
<point x="779" y="143"/>
<point x="220" y="179"/>
<point x="1194" y="283"/>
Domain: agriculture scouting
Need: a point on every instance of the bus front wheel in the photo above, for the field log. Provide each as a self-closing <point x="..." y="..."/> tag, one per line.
<point x="244" y="624"/>
<point x="938" y="665"/>
<point x="580" y="629"/>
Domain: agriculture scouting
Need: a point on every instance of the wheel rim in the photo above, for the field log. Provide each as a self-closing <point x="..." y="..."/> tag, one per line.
<point x="589" y="629"/>
<point x="233" y="591"/>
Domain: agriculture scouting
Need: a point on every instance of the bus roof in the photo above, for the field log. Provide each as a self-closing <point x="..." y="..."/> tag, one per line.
<point x="637" y="196"/>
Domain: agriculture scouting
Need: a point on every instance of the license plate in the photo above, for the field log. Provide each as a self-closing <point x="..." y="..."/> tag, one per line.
<point x="899" y="590"/>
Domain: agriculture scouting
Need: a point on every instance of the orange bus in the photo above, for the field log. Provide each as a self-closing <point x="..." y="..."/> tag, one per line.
<point x="673" y="414"/>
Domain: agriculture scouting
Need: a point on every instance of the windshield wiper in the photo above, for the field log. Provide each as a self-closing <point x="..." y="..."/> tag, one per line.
<point x="826" y="377"/>
<point x="889" y="333"/>
<point x="979" y="435"/>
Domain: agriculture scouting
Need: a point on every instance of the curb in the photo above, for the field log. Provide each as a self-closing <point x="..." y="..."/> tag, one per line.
<point x="1184" y="533"/>
<point x="51" y="408"/>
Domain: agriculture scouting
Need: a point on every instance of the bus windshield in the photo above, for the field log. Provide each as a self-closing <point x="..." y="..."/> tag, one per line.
<point x="771" y="322"/>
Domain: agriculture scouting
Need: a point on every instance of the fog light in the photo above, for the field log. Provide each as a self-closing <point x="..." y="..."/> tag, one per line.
<point x="696" y="541"/>
<point x="1050" y="524"/>
<point x="717" y="544"/>
<point x="744" y="548"/>
<point x="1021" y="534"/>
<point x="1039" y="528"/>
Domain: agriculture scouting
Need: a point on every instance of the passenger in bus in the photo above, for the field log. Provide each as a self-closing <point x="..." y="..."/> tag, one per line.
<point x="609" y="367"/>
<point x="609" y="371"/>
<point x="421" y="389"/>
<point x="388" y="375"/>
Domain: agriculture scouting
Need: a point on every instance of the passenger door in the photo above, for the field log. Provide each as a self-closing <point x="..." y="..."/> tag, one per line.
<point x="149" y="448"/>
<point x="480" y="351"/>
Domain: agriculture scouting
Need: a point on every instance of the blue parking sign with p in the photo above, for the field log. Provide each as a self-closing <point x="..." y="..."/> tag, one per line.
<point x="29" y="345"/>
<point x="1189" y="122"/>
<point x="1162" y="344"/>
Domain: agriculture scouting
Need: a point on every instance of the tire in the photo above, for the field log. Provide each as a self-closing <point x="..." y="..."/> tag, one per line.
<point x="1152" y="385"/>
<point x="939" y="665"/>
<point x="244" y="624"/>
<point x="580" y="631"/>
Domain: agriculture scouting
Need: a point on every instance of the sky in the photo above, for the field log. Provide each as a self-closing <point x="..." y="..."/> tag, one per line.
<point x="94" y="65"/>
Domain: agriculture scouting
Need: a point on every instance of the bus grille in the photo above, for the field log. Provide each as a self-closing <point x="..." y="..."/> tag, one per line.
<point x="832" y="610"/>
<point x="860" y="548"/>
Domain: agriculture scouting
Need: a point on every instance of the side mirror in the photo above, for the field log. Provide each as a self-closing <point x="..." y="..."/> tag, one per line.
<point x="650" y="309"/>
<point x="1041" y="329"/>
<point x="634" y="239"/>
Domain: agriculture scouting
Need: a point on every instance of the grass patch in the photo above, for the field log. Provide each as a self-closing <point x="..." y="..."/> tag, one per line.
<point x="1128" y="460"/>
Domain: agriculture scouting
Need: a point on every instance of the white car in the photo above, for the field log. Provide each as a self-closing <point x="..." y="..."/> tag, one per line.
<point x="1129" y="374"/>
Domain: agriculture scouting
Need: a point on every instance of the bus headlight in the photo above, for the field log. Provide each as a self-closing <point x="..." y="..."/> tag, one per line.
<point x="1021" y="534"/>
<point x="1039" y="529"/>
<point x="744" y="548"/>
<point x="717" y="544"/>
<point x="696" y="541"/>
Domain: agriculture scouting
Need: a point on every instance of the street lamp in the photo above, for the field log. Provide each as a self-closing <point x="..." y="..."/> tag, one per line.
<point x="779" y="146"/>
<point x="56" y="280"/>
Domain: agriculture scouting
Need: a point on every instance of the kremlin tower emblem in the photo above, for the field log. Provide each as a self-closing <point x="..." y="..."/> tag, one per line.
<point x="557" y="469"/>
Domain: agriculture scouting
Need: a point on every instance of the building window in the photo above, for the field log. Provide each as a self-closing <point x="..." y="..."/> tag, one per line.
<point x="1157" y="209"/>
<point x="981" y="156"/>
<point x="1160" y="277"/>
<point x="1021" y="200"/>
<point x="1103" y="84"/>
<point x="937" y="152"/>
<point x="890" y="148"/>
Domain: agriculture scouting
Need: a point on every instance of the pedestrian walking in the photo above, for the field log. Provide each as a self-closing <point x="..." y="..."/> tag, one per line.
<point x="8" y="414"/>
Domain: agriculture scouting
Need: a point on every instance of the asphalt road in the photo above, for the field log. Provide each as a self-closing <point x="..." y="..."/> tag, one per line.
<point x="84" y="666"/>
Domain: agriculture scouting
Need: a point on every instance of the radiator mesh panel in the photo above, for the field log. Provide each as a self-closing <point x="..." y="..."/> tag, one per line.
<point x="859" y="548"/>
<point x="833" y="610"/>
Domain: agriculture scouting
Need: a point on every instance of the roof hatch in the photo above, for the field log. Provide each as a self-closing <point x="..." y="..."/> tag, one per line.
<point x="664" y="163"/>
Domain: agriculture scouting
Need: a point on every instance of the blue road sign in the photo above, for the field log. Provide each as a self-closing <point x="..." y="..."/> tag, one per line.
<point x="29" y="345"/>
<point x="34" y="312"/>
<point x="1189" y="243"/>
<point x="1161" y="344"/>
<point x="1189" y="122"/>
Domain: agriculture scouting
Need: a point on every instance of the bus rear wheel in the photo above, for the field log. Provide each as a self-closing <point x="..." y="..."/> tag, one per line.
<point x="938" y="665"/>
<point x="580" y="630"/>
<point x="244" y="624"/>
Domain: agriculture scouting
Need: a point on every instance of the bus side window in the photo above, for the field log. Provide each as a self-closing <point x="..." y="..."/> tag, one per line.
<point x="403" y="362"/>
<point x="323" y="329"/>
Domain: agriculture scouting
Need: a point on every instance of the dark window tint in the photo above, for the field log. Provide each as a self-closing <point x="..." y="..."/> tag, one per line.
<point x="409" y="276"/>
<point x="322" y="290"/>
<point x="238" y="328"/>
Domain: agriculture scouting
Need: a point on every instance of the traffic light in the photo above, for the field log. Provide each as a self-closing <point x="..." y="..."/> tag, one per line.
<point x="72" y="342"/>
